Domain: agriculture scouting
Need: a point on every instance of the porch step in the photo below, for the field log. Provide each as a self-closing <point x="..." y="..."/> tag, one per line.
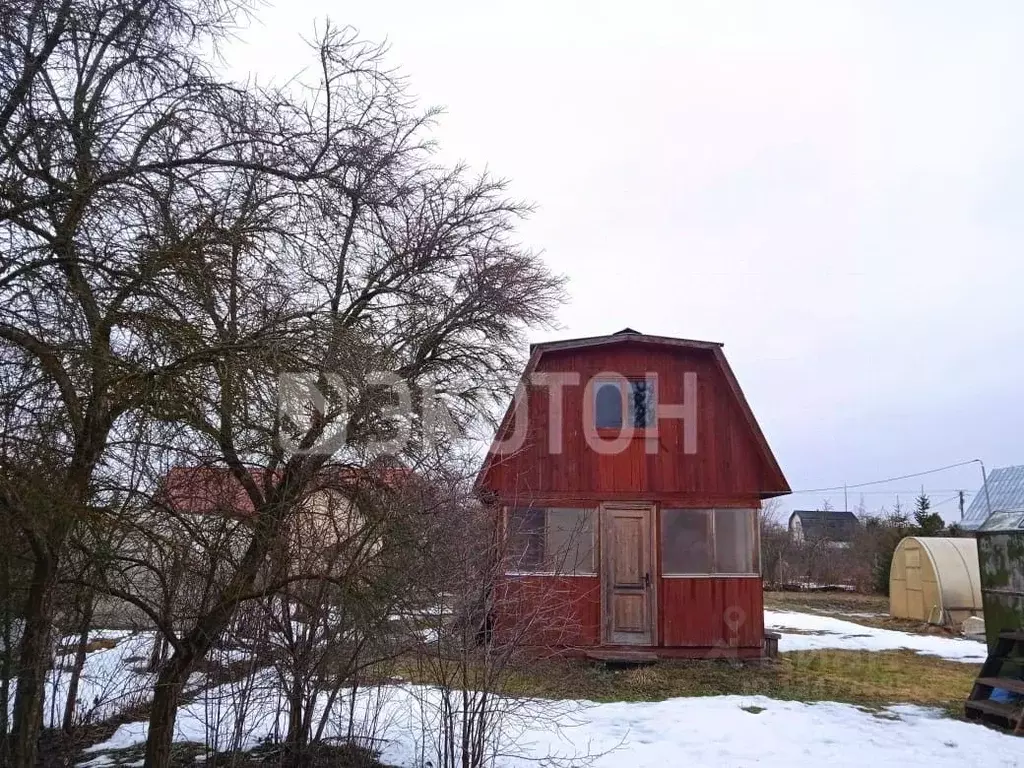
<point x="615" y="656"/>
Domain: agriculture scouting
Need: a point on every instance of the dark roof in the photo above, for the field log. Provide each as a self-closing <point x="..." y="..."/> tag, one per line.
<point x="1005" y="491"/>
<point x="625" y="336"/>
<point x="1003" y="522"/>
<point x="826" y="524"/>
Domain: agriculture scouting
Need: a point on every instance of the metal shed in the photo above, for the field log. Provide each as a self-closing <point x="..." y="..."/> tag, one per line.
<point x="1001" y="554"/>
<point x="1003" y="491"/>
<point x="935" y="580"/>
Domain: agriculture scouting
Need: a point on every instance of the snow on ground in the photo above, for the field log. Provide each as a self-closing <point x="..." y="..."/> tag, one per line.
<point x="713" y="731"/>
<point x="814" y="632"/>
<point x="710" y="731"/>
<point x="112" y="680"/>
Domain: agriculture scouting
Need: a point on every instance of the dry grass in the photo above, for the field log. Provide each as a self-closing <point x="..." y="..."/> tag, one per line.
<point x="830" y="602"/>
<point x="871" y="679"/>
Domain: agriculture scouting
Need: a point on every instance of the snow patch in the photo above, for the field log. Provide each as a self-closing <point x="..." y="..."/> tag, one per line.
<point x="811" y="632"/>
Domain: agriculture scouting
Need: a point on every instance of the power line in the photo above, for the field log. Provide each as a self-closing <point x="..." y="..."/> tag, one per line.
<point x="889" y="491"/>
<point x="888" y="480"/>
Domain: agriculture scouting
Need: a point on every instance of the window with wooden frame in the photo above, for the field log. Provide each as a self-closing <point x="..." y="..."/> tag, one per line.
<point x="709" y="542"/>
<point x="550" y="541"/>
<point x="629" y="402"/>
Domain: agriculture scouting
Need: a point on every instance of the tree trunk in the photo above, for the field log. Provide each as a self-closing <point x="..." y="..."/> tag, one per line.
<point x="294" y="741"/>
<point x="32" y="662"/>
<point x="76" y="670"/>
<point x="158" y="653"/>
<point x="6" y="662"/>
<point x="208" y="629"/>
<point x="170" y="685"/>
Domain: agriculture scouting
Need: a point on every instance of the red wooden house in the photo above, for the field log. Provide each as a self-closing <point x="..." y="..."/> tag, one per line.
<point x="628" y="473"/>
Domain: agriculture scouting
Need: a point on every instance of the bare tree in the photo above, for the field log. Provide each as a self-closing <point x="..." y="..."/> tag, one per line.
<point x="775" y="542"/>
<point x="175" y="244"/>
<point x="483" y="629"/>
<point x="403" y="267"/>
<point x="96" y="95"/>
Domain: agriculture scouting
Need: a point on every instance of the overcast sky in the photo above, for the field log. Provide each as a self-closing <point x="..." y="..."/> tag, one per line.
<point x="834" y="190"/>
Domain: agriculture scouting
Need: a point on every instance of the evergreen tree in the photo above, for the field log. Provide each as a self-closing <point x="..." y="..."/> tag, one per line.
<point x="897" y="519"/>
<point x="929" y="523"/>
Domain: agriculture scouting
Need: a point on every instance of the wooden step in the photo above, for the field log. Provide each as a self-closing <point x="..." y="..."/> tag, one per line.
<point x="1007" y="711"/>
<point x="1006" y="683"/>
<point x="615" y="656"/>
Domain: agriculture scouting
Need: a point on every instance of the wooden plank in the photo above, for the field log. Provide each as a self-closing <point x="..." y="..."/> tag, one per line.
<point x="1006" y="683"/>
<point x="615" y="655"/>
<point x="1008" y="712"/>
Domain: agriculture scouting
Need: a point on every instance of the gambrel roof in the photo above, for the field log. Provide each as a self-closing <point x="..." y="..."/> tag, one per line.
<point x="776" y="484"/>
<point x="826" y="524"/>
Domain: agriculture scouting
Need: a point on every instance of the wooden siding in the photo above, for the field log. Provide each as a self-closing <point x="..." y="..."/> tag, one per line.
<point x="731" y="467"/>
<point x="728" y="466"/>
<point x="549" y="611"/>
<point x="712" y="612"/>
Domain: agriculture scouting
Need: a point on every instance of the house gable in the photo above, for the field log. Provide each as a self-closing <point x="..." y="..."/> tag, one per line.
<point x="554" y="457"/>
<point x="823" y="525"/>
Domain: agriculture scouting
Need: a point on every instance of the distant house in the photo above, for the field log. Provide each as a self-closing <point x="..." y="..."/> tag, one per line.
<point x="1005" y="493"/>
<point x="836" y="528"/>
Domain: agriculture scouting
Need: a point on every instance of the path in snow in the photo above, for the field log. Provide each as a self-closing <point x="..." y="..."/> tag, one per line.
<point x="828" y="632"/>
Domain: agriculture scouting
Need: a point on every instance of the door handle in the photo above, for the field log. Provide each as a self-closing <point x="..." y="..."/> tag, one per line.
<point x="647" y="580"/>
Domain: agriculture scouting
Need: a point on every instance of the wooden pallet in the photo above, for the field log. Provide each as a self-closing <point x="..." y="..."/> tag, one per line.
<point x="1002" y="670"/>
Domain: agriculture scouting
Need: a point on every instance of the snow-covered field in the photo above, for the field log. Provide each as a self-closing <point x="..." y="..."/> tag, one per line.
<point x="701" y="731"/>
<point x="808" y="632"/>
<point x="708" y="731"/>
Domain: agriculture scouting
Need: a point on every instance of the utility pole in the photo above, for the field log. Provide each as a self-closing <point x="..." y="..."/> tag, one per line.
<point x="961" y="495"/>
<point x="846" y="500"/>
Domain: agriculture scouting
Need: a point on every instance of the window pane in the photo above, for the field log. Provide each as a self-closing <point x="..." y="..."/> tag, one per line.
<point x="685" y="541"/>
<point x="641" y="402"/>
<point x="525" y="544"/>
<point x="570" y="542"/>
<point x="608" y="405"/>
<point x="735" y="542"/>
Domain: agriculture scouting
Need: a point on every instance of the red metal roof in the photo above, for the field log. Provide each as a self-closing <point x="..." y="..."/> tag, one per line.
<point x="207" y="490"/>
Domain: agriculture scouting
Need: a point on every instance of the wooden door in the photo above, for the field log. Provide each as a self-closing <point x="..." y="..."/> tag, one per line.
<point x="628" y="578"/>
